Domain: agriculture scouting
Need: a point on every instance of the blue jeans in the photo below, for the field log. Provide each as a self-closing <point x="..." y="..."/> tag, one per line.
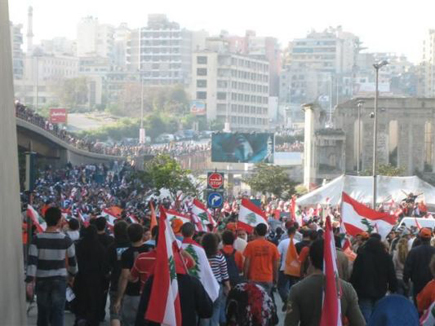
<point x="214" y="320"/>
<point x="50" y="299"/>
<point x="285" y="282"/>
<point x="367" y="306"/>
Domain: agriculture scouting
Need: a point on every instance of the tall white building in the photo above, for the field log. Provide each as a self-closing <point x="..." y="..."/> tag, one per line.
<point x="331" y="55"/>
<point x="121" y="38"/>
<point x="162" y="52"/>
<point x="94" y="39"/>
<point x="427" y="68"/>
<point x="17" y="51"/>
<point x="234" y="88"/>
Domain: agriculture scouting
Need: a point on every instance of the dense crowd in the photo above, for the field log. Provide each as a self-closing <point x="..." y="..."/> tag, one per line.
<point x="116" y="148"/>
<point x="290" y="147"/>
<point x="227" y="274"/>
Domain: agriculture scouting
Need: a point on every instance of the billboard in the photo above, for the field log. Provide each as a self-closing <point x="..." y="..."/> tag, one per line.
<point x="242" y="147"/>
<point x="58" y="115"/>
<point x="197" y="108"/>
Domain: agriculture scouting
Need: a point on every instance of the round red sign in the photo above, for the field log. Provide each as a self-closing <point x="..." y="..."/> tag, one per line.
<point x="215" y="180"/>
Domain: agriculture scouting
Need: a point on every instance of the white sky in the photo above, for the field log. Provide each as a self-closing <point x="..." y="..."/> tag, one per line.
<point x="382" y="25"/>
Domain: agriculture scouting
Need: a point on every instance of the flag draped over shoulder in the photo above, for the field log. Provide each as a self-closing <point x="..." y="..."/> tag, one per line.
<point x="202" y="269"/>
<point x="250" y="215"/>
<point x="331" y="308"/>
<point x="292" y="263"/>
<point x="359" y="218"/>
<point x="164" y="304"/>
<point x="37" y="220"/>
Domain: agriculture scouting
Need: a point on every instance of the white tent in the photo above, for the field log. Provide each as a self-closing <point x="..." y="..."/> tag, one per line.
<point x="361" y="189"/>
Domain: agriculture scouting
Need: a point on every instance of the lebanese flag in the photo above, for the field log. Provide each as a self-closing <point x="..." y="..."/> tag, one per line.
<point x="199" y="210"/>
<point x="250" y="215"/>
<point x="109" y="216"/>
<point x="331" y="308"/>
<point x="171" y="214"/>
<point x="133" y="219"/>
<point x="164" y="304"/>
<point x="359" y="218"/>
<point x="37" y="220"/>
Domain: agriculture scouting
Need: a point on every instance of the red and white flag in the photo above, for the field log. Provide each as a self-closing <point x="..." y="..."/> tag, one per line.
<point x="331" y="308"/>
<point x="133" y="219"/>
<point x="200" y="211"/>
<point x="250" y="215"/>
<point x="109" y="216"/>
<point x="359" y="218"/>
<point x="83" y="219"/>
<point x="171" y="214"/>
<point x="37" y="220"/>
<point x="164" y="304"/>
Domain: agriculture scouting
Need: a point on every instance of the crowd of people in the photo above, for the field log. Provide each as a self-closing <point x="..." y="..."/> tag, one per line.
<point x="290" y="147"/>
<point x="227" y="274"/>
<point x="116" y="148"/>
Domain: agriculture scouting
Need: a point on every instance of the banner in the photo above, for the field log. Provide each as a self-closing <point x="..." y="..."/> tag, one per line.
<point x="242" y="147"/>
<point x="58" y="115"/>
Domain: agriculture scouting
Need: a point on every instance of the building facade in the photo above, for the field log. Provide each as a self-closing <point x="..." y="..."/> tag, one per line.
<point x="162" y="52"/>
<point x="320" y="67"/>
<point x="234" y="88"/>
<point x="94" y="39"/>
<point x="17" y="51"/>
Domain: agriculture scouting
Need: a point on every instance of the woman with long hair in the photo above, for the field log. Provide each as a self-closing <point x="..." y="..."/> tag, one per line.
<point x="399" y="258"/>
<point x="88" y="285"/>
<point x="210" y="243"/>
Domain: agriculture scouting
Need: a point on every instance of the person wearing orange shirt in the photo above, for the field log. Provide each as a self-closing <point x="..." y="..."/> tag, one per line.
<point x="228" y="250"/>
<point x="427" y="295"/>
<point x="261" y="260"/>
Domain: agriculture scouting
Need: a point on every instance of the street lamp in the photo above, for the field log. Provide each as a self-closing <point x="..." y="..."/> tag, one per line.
<point x="377" y="66"/>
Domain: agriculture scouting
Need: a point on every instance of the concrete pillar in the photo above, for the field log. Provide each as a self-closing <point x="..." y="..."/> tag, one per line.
<point x="12" y="297"/>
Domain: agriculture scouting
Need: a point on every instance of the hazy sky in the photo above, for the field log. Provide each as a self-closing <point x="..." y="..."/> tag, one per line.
<point x="382" y="25"/>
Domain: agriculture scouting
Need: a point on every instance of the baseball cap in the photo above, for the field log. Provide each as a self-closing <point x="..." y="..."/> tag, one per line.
<point x="425" y="233"/>
<point x="176" y="225"/>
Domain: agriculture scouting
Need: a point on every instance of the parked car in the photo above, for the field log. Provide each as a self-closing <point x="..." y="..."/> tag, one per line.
<point x="165" y="138"/>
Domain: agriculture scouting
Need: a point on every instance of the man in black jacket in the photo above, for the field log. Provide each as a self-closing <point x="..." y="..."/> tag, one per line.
<point x="373" y="274"/>
<point x="194" y="300"/>
<point x="417" y="263"/>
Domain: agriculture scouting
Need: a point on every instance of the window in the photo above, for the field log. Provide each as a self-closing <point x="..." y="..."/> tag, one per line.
<point x="221" y="96"/>
<point x="221" y="108"/>
<point x="201" y="95"/>
<point x="201" y="71"/>
<point x="201" y="83"/>
<point x="201" y="60"/>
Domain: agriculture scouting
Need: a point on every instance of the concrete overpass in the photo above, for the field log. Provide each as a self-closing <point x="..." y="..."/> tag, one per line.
<point x="59" y="152"/>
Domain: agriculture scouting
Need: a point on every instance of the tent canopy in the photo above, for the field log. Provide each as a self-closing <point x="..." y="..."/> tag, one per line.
<point x="361" y="189"/>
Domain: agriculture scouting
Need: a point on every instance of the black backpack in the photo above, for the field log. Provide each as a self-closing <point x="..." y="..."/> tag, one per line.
<point x="233" y="271"/>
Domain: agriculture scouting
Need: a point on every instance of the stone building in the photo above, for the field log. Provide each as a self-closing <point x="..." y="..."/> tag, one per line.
<point x="405" y="133"/>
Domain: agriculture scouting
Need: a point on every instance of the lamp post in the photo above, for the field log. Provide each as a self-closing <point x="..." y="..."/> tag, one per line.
<point x="377" y="66"/>
<point x="358" y="156"/>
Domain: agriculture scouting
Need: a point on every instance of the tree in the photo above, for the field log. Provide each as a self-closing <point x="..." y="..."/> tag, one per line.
<point x="73" y="92"/>
<point x="271" y="179"/>
<point x="166" y="172"/>
<point x="216" y="125"/>
<point x="386" y="170"/>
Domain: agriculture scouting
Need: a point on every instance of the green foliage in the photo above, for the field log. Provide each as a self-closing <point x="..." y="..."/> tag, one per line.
<point x="271" y="179"/>
<point x="386" y="170"/>
<point x="165" y="172"/>
<point x="301" y="190"/>
<point x="73" y="92"/>
<point x="216" y="125"/>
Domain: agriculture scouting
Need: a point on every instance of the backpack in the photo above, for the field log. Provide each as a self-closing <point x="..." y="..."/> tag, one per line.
<point x="233" y="271"/>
